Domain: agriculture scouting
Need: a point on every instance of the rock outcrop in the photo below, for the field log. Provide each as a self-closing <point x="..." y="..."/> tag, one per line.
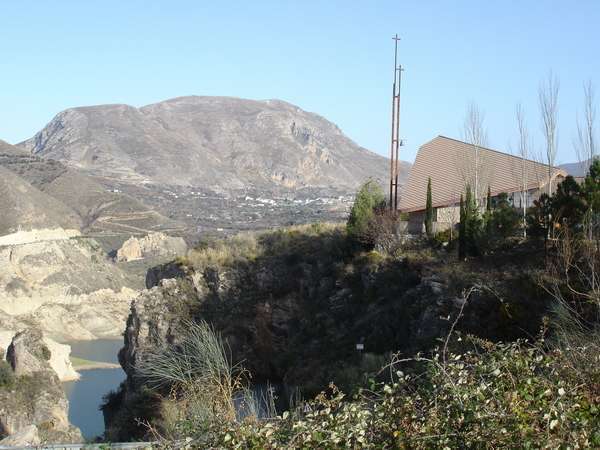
<point x="33" y="396"/>
<point x="68" y="288"/>
<point x="59" y="359"/>
<point x="25" y="437"/>
<point x="152" y="245"/>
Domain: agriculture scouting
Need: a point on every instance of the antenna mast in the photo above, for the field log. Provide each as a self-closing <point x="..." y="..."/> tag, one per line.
<point x="396" y="142"/>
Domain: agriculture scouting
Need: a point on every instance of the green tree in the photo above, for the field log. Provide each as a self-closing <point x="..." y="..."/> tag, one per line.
<point x="504" y="219"/>
<point x="462" y="245"/>
<point x="369" y="199"/>
<point x="538" y="215"/>
<point x="568" y="203"/>
<point x="429" y="210"/>
<point x="471" y="225"/>
<point x="487" y="218"/>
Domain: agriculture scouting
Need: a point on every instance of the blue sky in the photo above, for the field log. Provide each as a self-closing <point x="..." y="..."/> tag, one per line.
<point x="329" y="57"/>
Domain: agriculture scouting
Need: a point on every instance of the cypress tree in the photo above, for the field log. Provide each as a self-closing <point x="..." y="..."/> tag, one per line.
<point x="429" y="211"/>
<point x="472" y="224"/>
<point x="488" y="214"/>
<point x="461" y="231"/>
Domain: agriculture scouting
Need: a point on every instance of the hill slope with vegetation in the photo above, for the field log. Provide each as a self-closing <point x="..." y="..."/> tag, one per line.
<point x="398" y="343"/>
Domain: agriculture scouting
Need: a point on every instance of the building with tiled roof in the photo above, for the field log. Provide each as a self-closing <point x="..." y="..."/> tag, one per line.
<point x="451" y="164"/>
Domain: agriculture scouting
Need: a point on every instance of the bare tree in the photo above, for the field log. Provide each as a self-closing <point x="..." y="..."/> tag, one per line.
<point x="524" y="152"/>
<point x="475" y="171"/>
<point x="585" y="143"/>
<point x="548" y="102"/>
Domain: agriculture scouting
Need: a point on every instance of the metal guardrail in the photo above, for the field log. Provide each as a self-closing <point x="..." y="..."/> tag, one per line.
<point x="98" y="446"/>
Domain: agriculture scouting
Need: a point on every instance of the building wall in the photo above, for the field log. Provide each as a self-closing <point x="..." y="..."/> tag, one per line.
<point x="448" y="214"/>
<point x="416" y="222"/>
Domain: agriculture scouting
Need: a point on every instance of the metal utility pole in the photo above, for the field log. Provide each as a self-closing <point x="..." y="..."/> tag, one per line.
<point x="396" y="142"/>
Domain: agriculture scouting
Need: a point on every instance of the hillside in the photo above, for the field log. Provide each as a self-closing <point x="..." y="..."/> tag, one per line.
<point x="68" y="196"/>
<point x="25" y="207"/>
<point x="220" y="143"/>
<point x="291" y="305"/>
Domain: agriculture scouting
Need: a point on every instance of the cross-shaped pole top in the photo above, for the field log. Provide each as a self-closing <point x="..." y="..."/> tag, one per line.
<point x="396" y="38"/>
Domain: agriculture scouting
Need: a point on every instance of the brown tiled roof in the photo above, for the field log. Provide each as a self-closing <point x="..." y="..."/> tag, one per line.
<point x="450" y="164"/>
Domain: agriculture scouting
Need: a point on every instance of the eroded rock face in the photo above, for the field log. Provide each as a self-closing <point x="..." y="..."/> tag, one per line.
<point x="60" y="360"/>
<point x="154" y="244"/>
<point x="68" y="288"/>
<point x="34" y="395"/>
<point x="59" y="353"/>
<point x="156" y="319"/>
<point x="26" y="437"/>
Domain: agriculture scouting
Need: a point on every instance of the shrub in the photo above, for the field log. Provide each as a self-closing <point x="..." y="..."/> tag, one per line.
<point x="205" y="388"/>
<point x="6" y="375"/>
<point x="504" y="218"/>
<point x="470" y="227"/>
<point x="493" y="396"/>
<point x="368" y="200"/>
<point x="224" y="252"/>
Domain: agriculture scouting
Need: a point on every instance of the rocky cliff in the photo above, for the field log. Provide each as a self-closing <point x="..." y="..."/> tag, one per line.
<point x="292" y="305"/>
<point x="68" y="288"/>
<point x="33" y="405"/>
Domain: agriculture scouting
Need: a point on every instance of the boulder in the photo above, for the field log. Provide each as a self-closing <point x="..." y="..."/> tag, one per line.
<point x="26" y="437"/>
<point x="154" y="244"/>
<point x="131" y="250"/>
<point x="60" y="360"/>
<point x="28" y="353"/>
<point x="34" y="396"/>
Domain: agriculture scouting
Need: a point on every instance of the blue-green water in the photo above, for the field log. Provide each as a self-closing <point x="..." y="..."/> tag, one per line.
<point x="85" y="395"/>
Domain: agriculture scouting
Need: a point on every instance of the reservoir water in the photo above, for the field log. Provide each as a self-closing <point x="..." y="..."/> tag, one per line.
<point x="85" y="395"/>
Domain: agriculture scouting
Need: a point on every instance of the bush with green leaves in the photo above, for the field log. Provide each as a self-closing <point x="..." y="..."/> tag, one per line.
<point x="569" y="206"/>
<point x="470" y="226"/>
<point x="491" y="396"/>
<point x="369" y="199"/>
<point x="504" y="217"/>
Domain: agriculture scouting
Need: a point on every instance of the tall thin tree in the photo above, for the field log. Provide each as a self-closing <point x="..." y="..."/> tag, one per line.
<point x="524" y="151"/>
<point x="429" y="210"/>
<point x="488" y="213"/>
<point x="585" y="143"/>
<point x="462" y="235"/>
<point x="474" y="133"/>
<point x="548" y="103"/>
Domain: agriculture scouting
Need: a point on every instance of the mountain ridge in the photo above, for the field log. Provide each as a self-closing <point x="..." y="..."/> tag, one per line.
<point x="217" y="142"/>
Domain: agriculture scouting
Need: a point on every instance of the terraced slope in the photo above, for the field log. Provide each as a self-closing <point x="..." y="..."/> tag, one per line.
<point x="95" y="207"/>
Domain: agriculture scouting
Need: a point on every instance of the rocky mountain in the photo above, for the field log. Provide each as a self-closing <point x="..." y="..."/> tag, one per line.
<point x="577" y="169"/>
<point x="215" y="164"/>
<point x="220" y="143"/>
<point x="44" y="193"/>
